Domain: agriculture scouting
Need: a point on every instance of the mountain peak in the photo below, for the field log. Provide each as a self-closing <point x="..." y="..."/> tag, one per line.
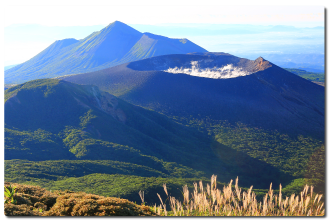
<point x="115" y="44"/>
<point x="261" y="64"/>
<point x="118" y="24"/>
<point x="117" y="27"/>
<point x="260" y="59"/>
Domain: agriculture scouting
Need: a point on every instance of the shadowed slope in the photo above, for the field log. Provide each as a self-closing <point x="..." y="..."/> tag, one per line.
<point x="268" y="97"/>
<point x="52" y="119"/>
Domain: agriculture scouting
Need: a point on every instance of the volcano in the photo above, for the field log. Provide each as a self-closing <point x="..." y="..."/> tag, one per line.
<point x="116" y="44"/>
<point x="219" y="86"/>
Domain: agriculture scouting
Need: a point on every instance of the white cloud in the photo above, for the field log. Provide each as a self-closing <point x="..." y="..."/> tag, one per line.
<point x="226" y="71"/>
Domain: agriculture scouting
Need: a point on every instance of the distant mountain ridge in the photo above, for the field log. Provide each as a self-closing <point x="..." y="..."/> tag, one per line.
<point x="9" y="66"/>
<point x="115" y="44"/>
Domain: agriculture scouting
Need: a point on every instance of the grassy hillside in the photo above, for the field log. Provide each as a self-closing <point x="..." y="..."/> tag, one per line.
<point x="94" y="140"/>
<point x="86" y="124"/>
<point x="236" y="153"/>
<point x="312" y="76"/>
<point x="301" y="157"/>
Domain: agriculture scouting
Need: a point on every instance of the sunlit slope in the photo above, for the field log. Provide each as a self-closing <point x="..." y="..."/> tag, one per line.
<point x="115" y="44"/>
<point x="268" y="96"/>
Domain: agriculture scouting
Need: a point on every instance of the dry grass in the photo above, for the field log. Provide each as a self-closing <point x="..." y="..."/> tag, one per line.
<point x="233" y="202"/>
<point x="209" y="201"/>
<point x="36" y="201"/>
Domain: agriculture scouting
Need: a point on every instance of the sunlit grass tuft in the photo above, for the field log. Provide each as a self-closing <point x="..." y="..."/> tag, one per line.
<point x="199" y="201"/>
<point x="233" y="202"/>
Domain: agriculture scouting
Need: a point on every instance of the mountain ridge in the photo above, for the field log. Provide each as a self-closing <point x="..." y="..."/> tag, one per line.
<point x="115" y="44"/>
<point x="88" y="111"/>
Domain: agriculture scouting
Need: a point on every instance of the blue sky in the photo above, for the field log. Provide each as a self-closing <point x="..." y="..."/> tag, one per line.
<point x="236" y="28"/>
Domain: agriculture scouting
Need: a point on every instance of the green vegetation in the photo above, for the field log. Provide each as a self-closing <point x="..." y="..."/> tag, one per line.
<point x="317" y="77"/>
<point x="303" y="158"/>
<point x="291" y="155"/>
<point x="97" y="143"/>
<point x="106" y="178"/>
<point x="201" y="200"/>
<point x="95" y="176"/>
<point x="36" y="201"/>
<point x="9" y="194"/>
<point x="45" y="85"/>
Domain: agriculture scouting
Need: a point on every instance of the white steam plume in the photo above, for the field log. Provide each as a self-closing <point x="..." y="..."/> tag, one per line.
<point x="228" y="71"/>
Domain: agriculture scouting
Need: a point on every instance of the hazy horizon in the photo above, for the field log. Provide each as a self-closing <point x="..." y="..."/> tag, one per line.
<point x="238" y="31"/>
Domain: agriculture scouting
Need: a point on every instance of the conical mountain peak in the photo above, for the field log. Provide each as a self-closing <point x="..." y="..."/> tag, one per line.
<point x="115" y="44"/>
<point x="261" y="64"/>
<point x="118" y="23"/>
<point x="118" y="26"/>
<point x="261" y="59"/>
